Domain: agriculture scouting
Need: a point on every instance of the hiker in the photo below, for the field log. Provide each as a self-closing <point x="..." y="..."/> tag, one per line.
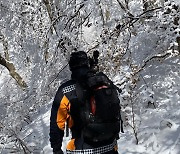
<point x="94" y="126"/>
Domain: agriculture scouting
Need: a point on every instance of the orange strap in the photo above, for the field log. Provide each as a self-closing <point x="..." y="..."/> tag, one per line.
<point x="71" y="145"/>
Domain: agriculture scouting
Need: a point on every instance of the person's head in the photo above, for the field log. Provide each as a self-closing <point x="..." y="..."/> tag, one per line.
<point x="78" y="60"/>
<point x="79" y="64"/>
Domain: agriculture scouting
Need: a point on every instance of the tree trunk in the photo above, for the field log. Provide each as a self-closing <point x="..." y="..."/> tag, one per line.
<point x="12" y="72"/>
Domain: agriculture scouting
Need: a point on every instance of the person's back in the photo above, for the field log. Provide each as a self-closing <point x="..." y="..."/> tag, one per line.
<point x="73" y="104"/>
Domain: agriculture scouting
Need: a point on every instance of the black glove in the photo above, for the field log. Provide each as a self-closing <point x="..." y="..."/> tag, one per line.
<point x="58" y="152"/>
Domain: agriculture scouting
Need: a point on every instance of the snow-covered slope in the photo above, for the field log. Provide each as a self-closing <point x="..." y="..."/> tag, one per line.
<point x="156" y="134"/>
<point x="36" y="134"/>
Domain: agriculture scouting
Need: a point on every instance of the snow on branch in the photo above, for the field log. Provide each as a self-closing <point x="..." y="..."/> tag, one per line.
<point x="158" y="56"/>
<point x="75" y="14"/>
<point x="13" y="72"/>
<point x="14" y="134"/>
<point x="125" y="8"/>
<point x="161" y="56"/>
<point x="49" y="10"/>
<point x="134" y="19"/>
<point x="58" y="74"/>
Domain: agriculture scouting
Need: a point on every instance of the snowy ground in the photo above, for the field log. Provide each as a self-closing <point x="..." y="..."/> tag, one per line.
<point x="154" y="137"/>
<point x="158" y="131"/>
<point x="37" y="134"/>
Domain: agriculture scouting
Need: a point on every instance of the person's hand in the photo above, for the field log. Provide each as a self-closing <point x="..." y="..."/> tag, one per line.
<point x="58" y="152"/>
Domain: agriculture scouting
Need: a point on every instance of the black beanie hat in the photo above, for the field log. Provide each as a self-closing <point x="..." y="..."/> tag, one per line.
<point x="78" y="59"/>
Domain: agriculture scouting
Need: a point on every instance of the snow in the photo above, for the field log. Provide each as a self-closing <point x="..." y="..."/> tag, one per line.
<point x="157" y="125"/>
<point x="89" y="33"/>
<point x="37" y="134"/>
<point x="176" y="1"/>
<point x="159" y="132"/>
<point x="166" y="141"/>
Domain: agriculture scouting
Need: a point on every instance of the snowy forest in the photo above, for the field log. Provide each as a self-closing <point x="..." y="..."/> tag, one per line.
<point x="139" y="46"/>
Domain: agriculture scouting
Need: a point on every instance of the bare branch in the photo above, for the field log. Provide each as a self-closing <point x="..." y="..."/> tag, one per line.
<point x="153" y="57"/>
<point x="121" y="5"/>
<point x="25" y="148"/>
<point x="145" y="5"/>
<point x="150" y="10"/>
<point x="84" y="19"/>
<point x="53" y="23"/>
<point x="178" y="41"/>
<point x="135" y="19"/>
<point x="75" y="14"/>
<point x="5" y="45"/>
<point x="58" y="74"/>
<point x="101" y="12"/>
<point x="125" y="8"/>
<point x="48" y="7"/>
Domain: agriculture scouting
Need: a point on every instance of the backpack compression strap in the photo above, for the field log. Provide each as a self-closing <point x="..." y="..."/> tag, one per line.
<point x="99" y="150"/>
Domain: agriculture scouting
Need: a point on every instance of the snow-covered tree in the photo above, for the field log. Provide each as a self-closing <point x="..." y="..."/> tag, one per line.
<point x="139" y="45"/>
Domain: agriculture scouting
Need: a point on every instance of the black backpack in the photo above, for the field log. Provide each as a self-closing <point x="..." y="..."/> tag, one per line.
<point x="100" y="108"/>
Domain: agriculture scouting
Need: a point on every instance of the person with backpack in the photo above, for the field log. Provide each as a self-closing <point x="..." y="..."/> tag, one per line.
<point x="89" y="105"/>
